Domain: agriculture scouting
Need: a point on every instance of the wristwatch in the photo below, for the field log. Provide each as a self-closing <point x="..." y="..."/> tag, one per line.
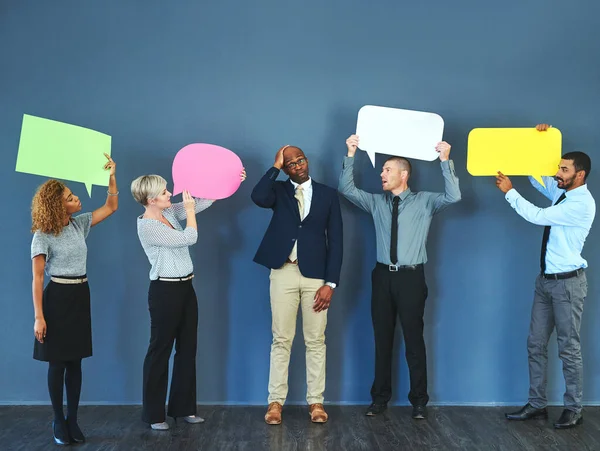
<point x="331" y="284"/>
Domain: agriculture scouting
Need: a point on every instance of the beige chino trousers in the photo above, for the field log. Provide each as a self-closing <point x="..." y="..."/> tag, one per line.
<point x="290" y="290"/>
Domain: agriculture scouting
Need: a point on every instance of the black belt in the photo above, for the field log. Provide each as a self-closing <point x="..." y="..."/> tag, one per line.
<point x="563" y="275"/>
<point x="396" y="268"/>
<point x="176" y="279"/>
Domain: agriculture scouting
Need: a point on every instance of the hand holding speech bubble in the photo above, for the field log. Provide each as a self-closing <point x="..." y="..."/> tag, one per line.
<point x="206" y="171"/>
<point x="64" y="151"/>
<point x="514" y="151"/>
<point x="393" y="131"/>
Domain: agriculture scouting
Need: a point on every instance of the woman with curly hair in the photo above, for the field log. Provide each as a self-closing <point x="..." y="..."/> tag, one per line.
<point x="63" y="333"/>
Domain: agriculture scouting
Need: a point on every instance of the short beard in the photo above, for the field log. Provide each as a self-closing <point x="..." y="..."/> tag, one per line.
<point x="567" y="184"/>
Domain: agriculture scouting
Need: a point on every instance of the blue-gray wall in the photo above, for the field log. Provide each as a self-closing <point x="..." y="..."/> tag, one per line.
<point x="252" y="76"/>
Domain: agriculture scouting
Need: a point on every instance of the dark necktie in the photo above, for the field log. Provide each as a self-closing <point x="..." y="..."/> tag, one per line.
<point x="545" y="238"/>
<point x="394" y="241"/>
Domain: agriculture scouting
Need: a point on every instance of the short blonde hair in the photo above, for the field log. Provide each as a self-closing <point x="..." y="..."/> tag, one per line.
<point x="147" y="187"/>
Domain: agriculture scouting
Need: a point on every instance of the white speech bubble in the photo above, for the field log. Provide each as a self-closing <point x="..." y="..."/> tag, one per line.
<point x="404" y="133"/>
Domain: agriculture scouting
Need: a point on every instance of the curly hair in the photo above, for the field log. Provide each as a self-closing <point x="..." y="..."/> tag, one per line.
<point x="47" y="209"/>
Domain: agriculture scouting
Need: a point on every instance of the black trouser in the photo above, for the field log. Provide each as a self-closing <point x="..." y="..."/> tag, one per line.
<point x="173" y="317"/>
<point x="400" y="295"/>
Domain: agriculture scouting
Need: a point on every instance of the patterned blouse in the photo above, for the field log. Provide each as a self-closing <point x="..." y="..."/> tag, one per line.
<point x="167" y="248"/>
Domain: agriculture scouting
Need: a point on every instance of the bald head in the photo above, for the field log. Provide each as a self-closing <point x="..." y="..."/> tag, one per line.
<point x="290" y="153"/>
<point x="295" y="164"/>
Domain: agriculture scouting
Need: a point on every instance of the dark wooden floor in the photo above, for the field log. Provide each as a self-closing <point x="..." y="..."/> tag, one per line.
<point x="243" y="428"/>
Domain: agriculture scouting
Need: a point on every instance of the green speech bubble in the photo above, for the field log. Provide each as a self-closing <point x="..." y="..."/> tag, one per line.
<point x="64" y="151"/>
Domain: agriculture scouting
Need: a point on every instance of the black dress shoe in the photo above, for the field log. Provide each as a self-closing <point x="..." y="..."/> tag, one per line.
<point x="61" y="435"/>
<point x="375" y="409"/>
<point x="569" y="419"/>
<point x="419" y="412"/>
<point x="527" y="413"/>
<point x="75" y="434"/>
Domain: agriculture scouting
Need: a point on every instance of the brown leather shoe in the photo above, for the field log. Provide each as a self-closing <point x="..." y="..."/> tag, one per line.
<point x="317" y="413"/>
<point x="273" y="415"/>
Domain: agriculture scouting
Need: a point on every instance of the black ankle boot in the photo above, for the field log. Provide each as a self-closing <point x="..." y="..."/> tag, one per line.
<point x="61" y="434"/>
<point x="75" y="433"/>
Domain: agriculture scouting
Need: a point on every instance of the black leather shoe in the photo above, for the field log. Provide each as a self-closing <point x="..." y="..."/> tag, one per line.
<point x="527" y="413"/>
<point x="419" y="412"/>
<point x="61" y="435"/>
<point x="569" y="419"/>
<point x="75" y="434"/>
<point x="375" y="409"/>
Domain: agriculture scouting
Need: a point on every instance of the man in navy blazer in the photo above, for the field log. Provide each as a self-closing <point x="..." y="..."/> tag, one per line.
<point x="303" y="249"/>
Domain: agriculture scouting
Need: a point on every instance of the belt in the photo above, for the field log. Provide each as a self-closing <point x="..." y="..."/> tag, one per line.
<point x="563" y="275"/>
<point x="176" y="279"/>
<point x="64" y="281"/>
<point x="396" y="268"/>
<point x="295" y="262"/>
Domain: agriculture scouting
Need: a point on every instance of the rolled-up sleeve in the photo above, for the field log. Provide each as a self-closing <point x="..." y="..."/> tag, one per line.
<point x="200" y="205"/>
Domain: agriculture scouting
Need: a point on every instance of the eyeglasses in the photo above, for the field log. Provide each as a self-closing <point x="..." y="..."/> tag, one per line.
<point x="295" y="164"/>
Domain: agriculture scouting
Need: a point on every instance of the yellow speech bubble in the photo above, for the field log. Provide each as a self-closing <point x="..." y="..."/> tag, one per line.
<point x="69" y="152"/>
<point x="514" y="151"/>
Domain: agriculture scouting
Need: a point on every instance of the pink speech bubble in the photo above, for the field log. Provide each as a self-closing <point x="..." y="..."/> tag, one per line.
<point x="206" y="171"/>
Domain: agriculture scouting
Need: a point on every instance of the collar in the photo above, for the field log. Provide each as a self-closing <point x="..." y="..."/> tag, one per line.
<point x="403" y="195"/>
<point x="580" y="190"/>
<point x="304" y="185"/>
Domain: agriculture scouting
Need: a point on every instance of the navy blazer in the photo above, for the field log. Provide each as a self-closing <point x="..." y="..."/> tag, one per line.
<point x="319" y="235"/>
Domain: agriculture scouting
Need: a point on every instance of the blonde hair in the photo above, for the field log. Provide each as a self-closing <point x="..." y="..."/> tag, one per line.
<point x="147" y="187"/>
<point x="48" y="209"/>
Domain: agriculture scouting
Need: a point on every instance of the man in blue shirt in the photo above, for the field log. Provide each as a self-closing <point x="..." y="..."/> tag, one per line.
<point x="402" y="218"/>
<point x="561" y="286"/>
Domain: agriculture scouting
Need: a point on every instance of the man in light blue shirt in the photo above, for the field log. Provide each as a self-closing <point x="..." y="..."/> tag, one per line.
<point x="561" y="286"/>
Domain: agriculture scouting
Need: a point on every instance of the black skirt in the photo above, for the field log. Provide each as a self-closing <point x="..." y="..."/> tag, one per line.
<point x="66" y="310"/>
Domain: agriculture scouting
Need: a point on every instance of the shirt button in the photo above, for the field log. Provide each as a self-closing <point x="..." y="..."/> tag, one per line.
<point x="299" y="226"/>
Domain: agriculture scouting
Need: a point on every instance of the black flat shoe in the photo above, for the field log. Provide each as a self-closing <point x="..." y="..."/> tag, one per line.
<point x="61" y="436"/>
<point x="419" y="413"/>
<point x="569" y="419"/>
<point x="75" y="434"/>
<point x="528" y="412"/>
<point x="375" y="409"/>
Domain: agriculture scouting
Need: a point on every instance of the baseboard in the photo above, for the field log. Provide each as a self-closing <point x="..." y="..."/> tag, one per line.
<point x="259" y="404"/>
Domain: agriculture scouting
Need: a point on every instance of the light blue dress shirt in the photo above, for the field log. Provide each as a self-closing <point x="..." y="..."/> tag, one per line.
<point x="415" y="212"/>
<point x="571" y="221"/>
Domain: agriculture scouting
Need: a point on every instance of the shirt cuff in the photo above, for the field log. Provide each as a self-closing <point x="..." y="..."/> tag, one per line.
<point x="447" y="165"/>
<point x="348" y="161"/>
<point x="331" y="284"/>
<point x="512" y="195"/>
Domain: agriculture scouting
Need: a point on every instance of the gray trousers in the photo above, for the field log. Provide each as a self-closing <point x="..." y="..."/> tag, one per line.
<point x="557" y="303"/>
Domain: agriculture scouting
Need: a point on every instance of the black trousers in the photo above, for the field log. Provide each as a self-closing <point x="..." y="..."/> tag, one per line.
<point x="173" y="318"/>
<point x="400" y="295"/>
